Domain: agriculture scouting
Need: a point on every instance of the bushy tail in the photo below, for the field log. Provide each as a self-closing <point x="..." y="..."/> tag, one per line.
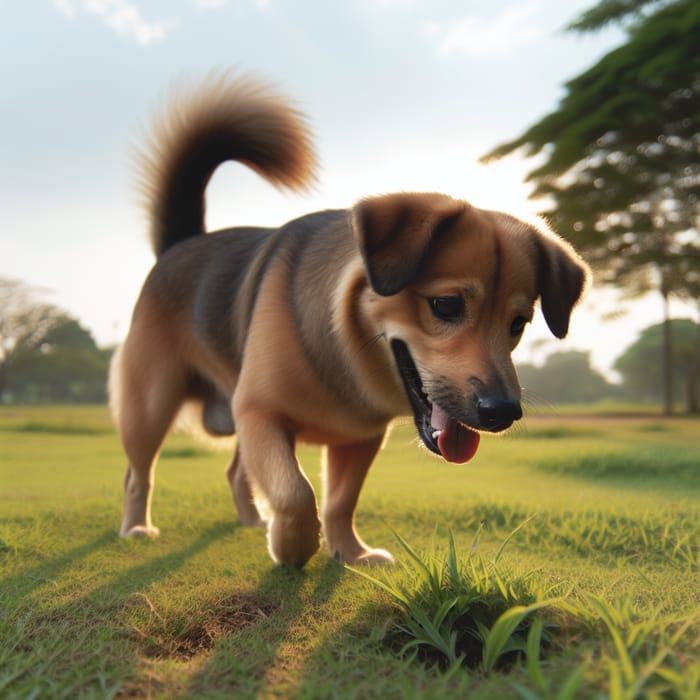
<point x="225" y="118"/>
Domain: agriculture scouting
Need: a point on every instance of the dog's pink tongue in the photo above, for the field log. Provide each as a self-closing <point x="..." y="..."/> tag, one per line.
<point x="456" y="442"/>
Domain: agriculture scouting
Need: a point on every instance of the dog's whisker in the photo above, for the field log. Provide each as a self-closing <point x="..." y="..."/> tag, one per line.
<point x="535" y="403"/>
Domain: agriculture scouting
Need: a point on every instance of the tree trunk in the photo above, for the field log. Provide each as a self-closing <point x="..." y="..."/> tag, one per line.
<point x="691" y="391"/>
<point x="692" y="387"/>
<point x="3" y="375"/>
<point x="667" y="360"/>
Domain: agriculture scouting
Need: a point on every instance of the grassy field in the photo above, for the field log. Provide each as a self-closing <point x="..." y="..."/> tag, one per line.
<point x="562" y="562"/>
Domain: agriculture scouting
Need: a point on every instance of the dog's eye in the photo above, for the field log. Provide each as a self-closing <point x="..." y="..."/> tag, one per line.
<point x="518" y="326"/>
<point x="450" y="309"/>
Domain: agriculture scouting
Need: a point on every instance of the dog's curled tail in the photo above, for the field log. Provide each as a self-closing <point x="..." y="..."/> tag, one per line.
<point x="225" y="118"/>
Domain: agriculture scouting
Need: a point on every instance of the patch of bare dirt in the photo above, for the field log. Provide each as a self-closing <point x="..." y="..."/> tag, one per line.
<point x="186" y="638"/>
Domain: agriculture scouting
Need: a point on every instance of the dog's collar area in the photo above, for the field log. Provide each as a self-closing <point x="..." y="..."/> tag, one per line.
<point x="444" y="436"/>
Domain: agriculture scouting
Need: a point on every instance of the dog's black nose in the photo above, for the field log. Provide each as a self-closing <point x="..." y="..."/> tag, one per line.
<point x="497" y="414"/>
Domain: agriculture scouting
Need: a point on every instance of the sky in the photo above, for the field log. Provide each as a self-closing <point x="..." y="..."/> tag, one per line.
<point x="402" y="95"/>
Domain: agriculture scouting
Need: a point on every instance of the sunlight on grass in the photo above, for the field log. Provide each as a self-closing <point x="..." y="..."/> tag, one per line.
<point x="457" y="611"/>
<point x="562" y="562"/>
<point x="465" y="610"/>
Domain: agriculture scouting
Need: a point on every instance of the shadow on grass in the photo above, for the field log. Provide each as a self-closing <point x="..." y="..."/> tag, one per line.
<point x="83" y="642"/>
<point x="270" y="652"/>
<point x="26" y="582"/>
<point x="114" y="592"/>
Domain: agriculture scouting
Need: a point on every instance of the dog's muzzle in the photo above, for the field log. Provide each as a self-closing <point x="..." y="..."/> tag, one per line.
<point x="451" y="438"/>
<point x="440" y="432"/>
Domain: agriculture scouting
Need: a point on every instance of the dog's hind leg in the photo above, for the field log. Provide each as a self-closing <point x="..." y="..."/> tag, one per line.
<point x="149" y="396"/>
<point x="346" y="467"/>
<point x="242" y="492"/>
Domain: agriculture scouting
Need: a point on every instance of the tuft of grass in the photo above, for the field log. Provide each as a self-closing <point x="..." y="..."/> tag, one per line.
<point x="640" y="657"/>
<point x="471" y="612"/>
<point x="567" y="688"/>
<point x="466" y="611"/>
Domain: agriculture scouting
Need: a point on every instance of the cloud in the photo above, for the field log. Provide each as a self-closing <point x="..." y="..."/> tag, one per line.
<point x="209" y="4"/>
<point x="476" y="35"/>
<point x="216" y="4"/>
<point x="65" y="6"/>
<point x="122" y="17"/>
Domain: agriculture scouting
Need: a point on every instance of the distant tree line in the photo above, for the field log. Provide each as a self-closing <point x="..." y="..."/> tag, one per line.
<point x="567" y="377"/>
<point x="64" y="366"/>
<point x="47" y="356"/>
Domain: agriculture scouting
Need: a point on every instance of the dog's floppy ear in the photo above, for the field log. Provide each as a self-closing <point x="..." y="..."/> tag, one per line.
<point x="395" y="232"/>
<point x="562" y="277"/>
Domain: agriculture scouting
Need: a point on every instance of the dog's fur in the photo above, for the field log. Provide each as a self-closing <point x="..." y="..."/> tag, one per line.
<point x="323" y="330"/>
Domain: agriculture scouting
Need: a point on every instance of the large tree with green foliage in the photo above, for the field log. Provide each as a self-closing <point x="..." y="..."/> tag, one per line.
<point x="620" y="163"/>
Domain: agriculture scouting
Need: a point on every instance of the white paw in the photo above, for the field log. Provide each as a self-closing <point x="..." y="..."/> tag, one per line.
<point x="368" y="557"/>
<point x="141" y="531"/>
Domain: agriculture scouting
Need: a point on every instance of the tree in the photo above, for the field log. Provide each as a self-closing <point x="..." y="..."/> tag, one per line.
<point x="24" y="321"/>
<point x="608" y="11"/>
<point x="45" y="355"/>
<point x="621" y="171"/>
<point x="642" y="378"/>
<point x="63" y="365"/>
<point x="566" y="377"/>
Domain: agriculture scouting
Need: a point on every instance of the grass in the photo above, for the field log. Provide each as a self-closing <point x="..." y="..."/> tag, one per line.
<point x="562" y="562"/>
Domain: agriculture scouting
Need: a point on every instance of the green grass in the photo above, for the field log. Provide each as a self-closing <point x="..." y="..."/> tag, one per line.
<point x="563" y="560"/>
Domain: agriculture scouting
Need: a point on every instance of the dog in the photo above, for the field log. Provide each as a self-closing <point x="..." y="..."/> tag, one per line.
<point x="323" y="330"/>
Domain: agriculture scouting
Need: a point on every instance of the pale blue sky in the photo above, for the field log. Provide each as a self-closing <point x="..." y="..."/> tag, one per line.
<point x="402" y="95"/>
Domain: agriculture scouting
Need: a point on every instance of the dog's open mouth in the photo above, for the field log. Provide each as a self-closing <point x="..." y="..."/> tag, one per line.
<point x="440" y="433"/>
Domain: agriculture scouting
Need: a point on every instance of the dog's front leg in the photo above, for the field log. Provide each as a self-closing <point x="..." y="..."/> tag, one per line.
<point x="345" y="471"/>
<point x="267" y="450"/>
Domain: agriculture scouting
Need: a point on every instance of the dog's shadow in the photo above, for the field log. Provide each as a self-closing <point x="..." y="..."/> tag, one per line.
<point x="275" y="640"/>
<point x="47" y="572"/>
<point x="254" y="628"/>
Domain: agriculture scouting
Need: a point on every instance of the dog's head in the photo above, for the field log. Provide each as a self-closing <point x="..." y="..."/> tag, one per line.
<point x="454" y="288"/>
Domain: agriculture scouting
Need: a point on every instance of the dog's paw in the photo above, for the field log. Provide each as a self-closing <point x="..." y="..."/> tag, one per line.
<point x="141" y="531"/>
<point x="368" y="557"/>
<point x="293" y="540"/>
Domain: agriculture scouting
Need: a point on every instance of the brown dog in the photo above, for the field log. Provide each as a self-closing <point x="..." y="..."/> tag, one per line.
<point x="323" y="330"/>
